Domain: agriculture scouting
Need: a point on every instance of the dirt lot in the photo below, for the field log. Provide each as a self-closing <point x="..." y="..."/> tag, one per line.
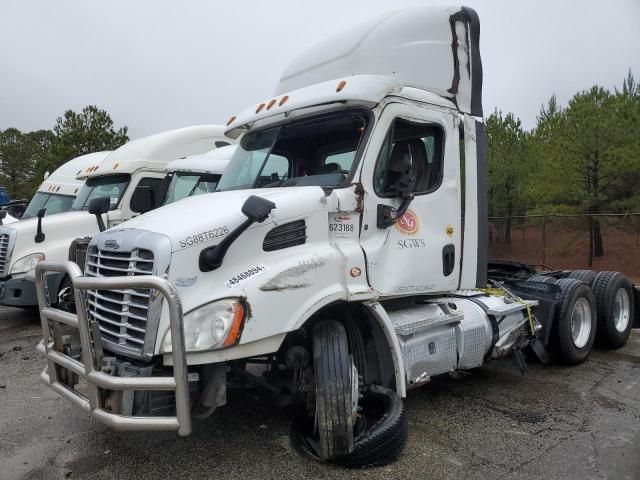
<point x="556" y="422"/>
<point x="567" y="245"/>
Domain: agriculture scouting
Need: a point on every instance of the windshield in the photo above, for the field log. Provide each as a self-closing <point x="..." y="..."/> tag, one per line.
<point x="319" y="151"/>
<point x="189" y="184"/>
<point x="112" y="186"/>
<point x="53" y="203"/>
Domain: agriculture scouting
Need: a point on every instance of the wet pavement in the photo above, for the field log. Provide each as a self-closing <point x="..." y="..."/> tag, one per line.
<point x="555" y="422"/>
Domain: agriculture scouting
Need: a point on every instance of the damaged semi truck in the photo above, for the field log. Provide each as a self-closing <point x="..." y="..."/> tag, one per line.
<point x="342" y="260"/>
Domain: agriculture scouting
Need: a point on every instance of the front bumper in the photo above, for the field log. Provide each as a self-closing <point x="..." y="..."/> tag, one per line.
<point x="21" y="292"/>
<point x="61" y="366"/>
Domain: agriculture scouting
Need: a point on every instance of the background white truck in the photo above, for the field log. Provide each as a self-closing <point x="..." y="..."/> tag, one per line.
<point x="60" y="188"/>
<point x="345" y="253"/>
<point x="132" y="177"/>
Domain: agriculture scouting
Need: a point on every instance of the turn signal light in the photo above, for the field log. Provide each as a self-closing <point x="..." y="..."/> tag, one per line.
<point x="236" y="324"/>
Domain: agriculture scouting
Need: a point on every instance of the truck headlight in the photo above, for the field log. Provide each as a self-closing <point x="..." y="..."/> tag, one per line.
<point x="215" y="325"/>
<point x="26" y="263"/>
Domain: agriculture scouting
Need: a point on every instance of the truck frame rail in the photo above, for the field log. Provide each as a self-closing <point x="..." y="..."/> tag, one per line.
<point x="89" y="368"/>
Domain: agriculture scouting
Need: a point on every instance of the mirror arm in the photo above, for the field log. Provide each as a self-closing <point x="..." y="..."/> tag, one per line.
<point x="388" y="216"/>
<point x="404" y="206"/>
<point x="101" y="226"/>
<point x="256" y="209"/>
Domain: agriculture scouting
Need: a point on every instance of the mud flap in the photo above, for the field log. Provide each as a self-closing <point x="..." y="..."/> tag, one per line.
<point x="539" y="349"/>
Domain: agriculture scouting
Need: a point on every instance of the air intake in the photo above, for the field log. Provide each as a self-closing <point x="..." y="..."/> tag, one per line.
<point x="285" y="236"/>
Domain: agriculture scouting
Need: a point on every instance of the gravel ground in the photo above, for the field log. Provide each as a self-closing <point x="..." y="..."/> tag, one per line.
<point x="556" y="422"/>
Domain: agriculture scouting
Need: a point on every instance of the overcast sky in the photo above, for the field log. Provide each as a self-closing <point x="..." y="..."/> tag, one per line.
<point x="158" y="64"/>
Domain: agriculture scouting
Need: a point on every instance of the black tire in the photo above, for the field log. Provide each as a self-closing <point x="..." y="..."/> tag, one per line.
<point x="332" y="367"/>
<point x="586" y="276"/>
<point x="379" y="444"/>
<point x="606" y="286"/>
<point x="542" y="279"/>
<point x="65" y="299"/>
<point x="383" y="442"/>
<point x="572" y="291"/>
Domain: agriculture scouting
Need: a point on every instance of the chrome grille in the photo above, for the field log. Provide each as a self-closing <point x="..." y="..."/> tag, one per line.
<point x="121" y="314"/>
<point x="4" y="253"/>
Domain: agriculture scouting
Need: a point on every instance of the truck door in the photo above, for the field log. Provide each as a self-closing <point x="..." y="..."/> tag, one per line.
<point x="420" y="253"/>
<point x="154" y="181"/>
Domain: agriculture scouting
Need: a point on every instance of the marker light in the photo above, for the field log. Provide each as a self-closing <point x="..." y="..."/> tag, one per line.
<point x="341" y="85"/>
<point x="271" y="103"/>
<point x="231" y="120"/>
<point x="283" y="99"/>
<point x="260" y="107"/>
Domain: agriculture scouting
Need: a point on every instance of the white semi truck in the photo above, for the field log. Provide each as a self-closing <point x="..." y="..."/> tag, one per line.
<point x="58" y="190"/>
<point x="345" y="254"/>
<point x="133" y="179"/>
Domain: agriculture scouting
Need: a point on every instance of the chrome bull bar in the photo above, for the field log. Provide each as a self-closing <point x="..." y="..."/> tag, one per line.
<point x="90" y="371"/>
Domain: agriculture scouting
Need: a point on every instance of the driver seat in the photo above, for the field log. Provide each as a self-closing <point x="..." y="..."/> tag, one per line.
<point x="401" y="151"/>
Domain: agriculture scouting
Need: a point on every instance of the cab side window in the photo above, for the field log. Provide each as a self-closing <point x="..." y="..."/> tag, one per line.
<point x="158" y="187"/>
<point x="410" y="145"/>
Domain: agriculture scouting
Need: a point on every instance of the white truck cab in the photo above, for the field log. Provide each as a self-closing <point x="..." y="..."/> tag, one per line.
<point x="344" y="253"/>
<point x="58" y="190"/>
<point x="138" y="166"/>
<point x="196" y="174"/>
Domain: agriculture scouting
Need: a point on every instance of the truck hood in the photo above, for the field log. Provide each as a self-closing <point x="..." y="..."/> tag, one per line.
<point x="59" y="230"/>
<point x="204" y="219"/>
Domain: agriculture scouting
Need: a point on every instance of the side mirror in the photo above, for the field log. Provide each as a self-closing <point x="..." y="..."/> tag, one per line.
<point x="39" y="238"/>
<point x="142" y="200"/>
<point x="98" y="207"/>
<point x="257" y="209"/>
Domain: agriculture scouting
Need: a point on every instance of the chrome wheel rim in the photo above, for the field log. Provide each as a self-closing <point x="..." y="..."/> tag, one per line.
<point x="355" y="390"/>
<point x="621" y="310"/>
<point x="581" y="322"/>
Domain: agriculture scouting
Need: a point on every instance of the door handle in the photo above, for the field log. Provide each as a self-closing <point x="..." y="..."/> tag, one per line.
<point x="448" y="259"/>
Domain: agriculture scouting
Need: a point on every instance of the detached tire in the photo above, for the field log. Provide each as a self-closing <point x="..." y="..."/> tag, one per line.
<point x="382" y="437"/>
<point x="586" y="276"/>
<point x="382" y="442"/>
<point x="576" y="321"/>
<point x="614" y="298"/>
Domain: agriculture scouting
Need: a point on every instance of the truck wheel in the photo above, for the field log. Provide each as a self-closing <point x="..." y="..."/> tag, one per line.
<point x="66" y="300"/>
<point x="614" y="298"/>
<point x="381" y="431"/>
<point x="585" y="276"/>
<point x="348" y="430"/>
<point x="335" y="392"/>
<point x="542" y="279"/>
<point x="575" y="323"/>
